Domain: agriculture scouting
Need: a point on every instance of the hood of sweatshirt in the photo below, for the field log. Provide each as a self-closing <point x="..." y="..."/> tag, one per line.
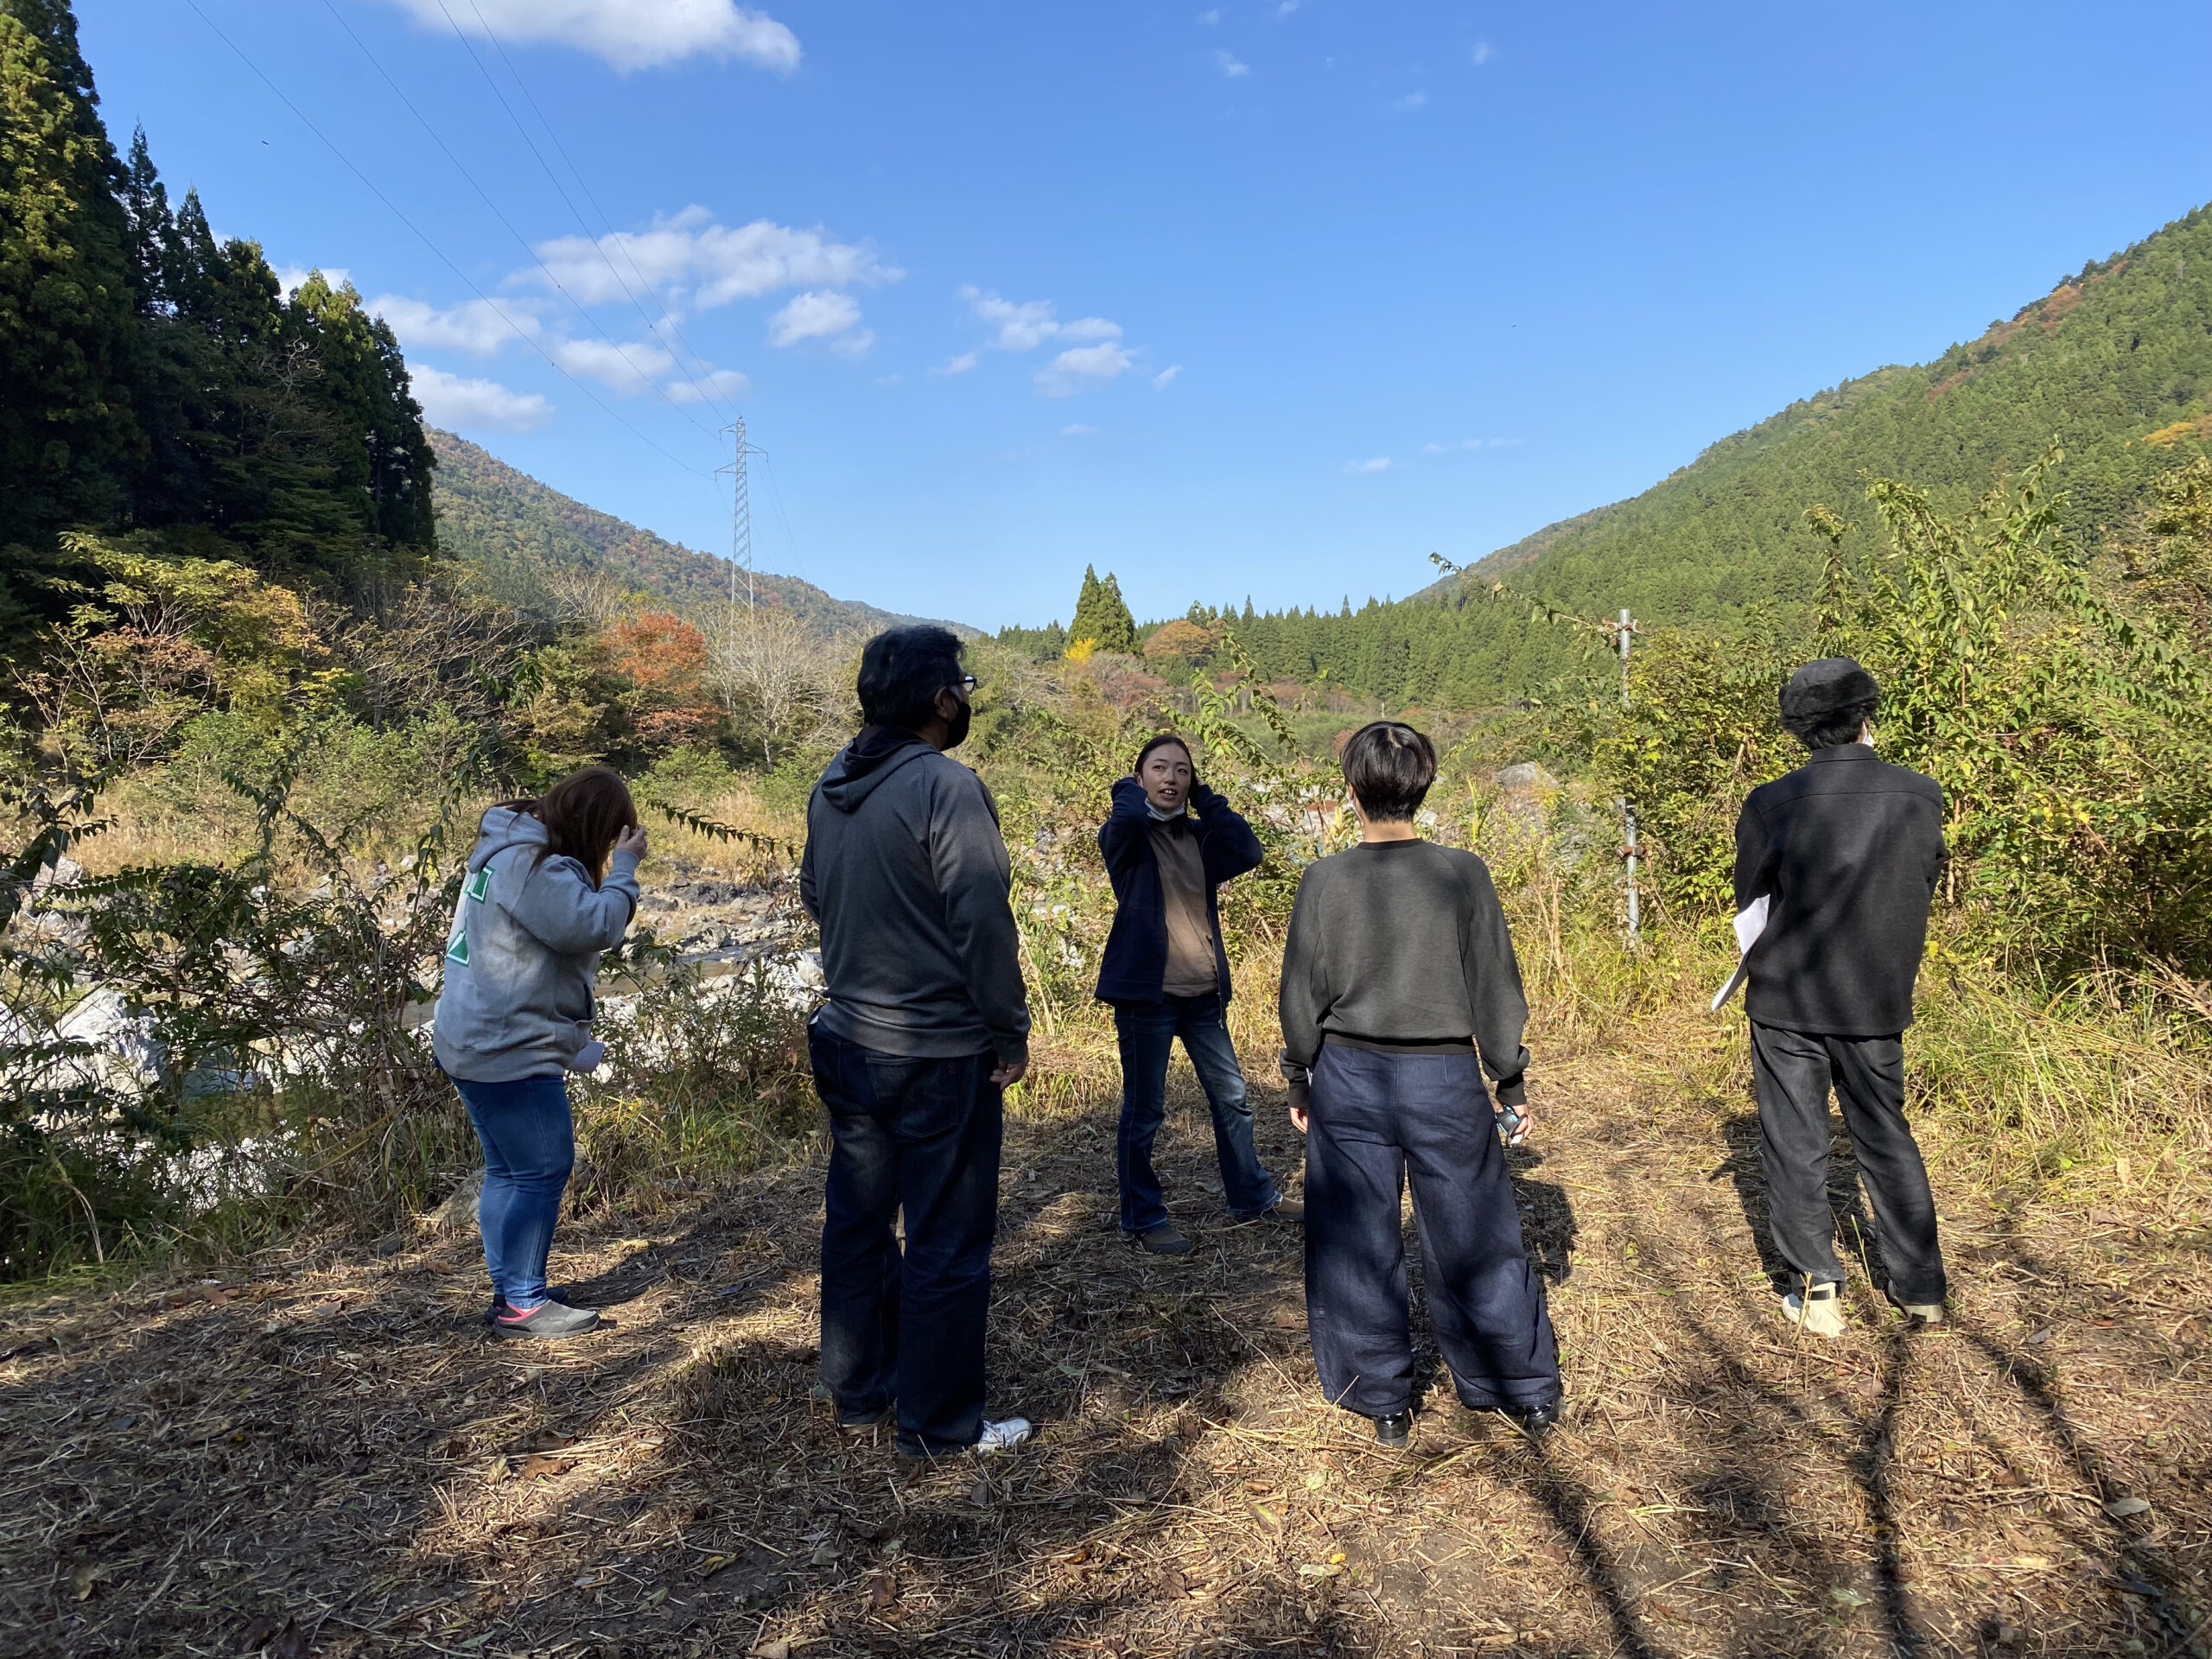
<point x="859" y="769"/>
<point x="505" y="827"/>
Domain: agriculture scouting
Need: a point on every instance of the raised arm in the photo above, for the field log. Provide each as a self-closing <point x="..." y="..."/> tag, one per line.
<point x="1225" y="840"/>
<point x="563" y="911"/>
<point x="1122" y="838"/>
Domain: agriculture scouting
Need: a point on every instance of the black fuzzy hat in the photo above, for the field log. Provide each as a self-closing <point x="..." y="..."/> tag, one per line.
<point x="1822" y="688"/>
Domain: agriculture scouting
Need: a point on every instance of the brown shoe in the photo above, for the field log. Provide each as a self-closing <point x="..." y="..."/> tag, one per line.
<point x="1162" y="1240"/>
<point x="1284" y="1210"/>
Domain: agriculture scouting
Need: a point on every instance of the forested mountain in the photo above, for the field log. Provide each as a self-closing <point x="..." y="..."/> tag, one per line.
<point x="2115" y="362"/>
<point x="532" y="543"/>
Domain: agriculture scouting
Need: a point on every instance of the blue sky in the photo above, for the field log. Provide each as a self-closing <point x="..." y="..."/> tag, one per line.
<point x="1263" y="299"/>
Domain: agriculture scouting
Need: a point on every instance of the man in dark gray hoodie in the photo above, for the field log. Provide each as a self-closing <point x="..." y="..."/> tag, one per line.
<point x="926" y="1024"/>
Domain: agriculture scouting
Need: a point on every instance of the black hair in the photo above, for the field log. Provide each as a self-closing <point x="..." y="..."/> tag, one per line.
<point x="1389" y="766"/>
<point x="902" y="670"/>
<point x="1831" y="728"/>
<point x="1161" y="742"/>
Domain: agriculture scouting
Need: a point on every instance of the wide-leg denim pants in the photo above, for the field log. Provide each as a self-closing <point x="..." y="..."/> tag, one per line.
<point x="920" y="1136"/>
<point x="1378" y="1120"/>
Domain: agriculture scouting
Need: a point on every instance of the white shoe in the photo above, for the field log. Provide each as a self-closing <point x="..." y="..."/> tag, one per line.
<point x="1819" y="1310"/>
<point x="1924" y="1313"/>
<point x="1004" y="1435"/>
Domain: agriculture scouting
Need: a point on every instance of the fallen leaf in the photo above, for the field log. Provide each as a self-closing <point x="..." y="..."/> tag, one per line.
<point x="657" y="1597"/>
<point x="1551" y="1552"/>
<point x="2120" y="1508"/>
<point x="980" y="1493"/>
<point x="1172" y="1581"/>
<point x="711" y="1565"/>
<point x="1189" y="1428"/>
<point x="823" y="1555"/>
<point x="1285" y="1318"/>
<point x="1268" y="1517"/>
<point x="779" y="1649"/>
<point x="1319" y="1570"/>
<point x="1846" y="1598"/>
<point x="538" y="1466"/>
<point x="882" y="1590"/>
<point x="550" y="1439"/>
<point x="84" y="1579"/>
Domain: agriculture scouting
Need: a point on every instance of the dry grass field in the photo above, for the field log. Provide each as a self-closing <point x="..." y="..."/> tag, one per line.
<point x="323" y="1452"/>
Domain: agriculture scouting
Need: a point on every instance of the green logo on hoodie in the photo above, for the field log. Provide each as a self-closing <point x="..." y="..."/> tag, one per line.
<point x="457" y="946"/>
<point x="479" y="887"/>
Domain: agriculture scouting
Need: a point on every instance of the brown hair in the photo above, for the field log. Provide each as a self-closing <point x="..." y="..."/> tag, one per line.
<point x="582" y="814"/>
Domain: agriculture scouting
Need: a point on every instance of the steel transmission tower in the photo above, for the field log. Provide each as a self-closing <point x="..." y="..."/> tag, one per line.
<point x="741" y="523"/>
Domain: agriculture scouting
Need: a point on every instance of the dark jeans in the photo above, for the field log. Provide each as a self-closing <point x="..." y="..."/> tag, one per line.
<point x="1792" y="1071"/>
<point x="529" y="1147"/>
<point x="921" y="1136"/>
<point x="1375" y="1120"/>
<point x="1148" y="1032"/>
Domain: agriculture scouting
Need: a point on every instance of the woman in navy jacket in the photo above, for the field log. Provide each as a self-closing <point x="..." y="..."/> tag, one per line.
<point x="1167" y="976"/>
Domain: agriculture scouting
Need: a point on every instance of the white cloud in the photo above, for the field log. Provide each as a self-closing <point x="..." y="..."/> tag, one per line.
<point x="1462" y="444"/>
<point x="959" y="364"/>
<point x="822" y="316"/>
<point x="1166" y="378"/>
<point x="1025" y="325"/>
<point x="1078" y="430"/>
<point x="1226" y="61"/>
<point x="1483" y="54"/>
<point x="477" y="326"/>
<point x="627" y="34"/>
<point x="690" y="255"/>
<point x="1379" y="464"/>
<point x="722" y="382"/>
<point x="1412" y="101"/>
<point x="1210" y="17"/>
<point x="1081" y="368"/>
<point x="447" y="400"/>
<point x="626" y="370"/>
<point x="1286" y="8"/>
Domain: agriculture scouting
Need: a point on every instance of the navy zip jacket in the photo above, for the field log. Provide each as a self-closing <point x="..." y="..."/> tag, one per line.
<point x="1135" y="963"/>
<point x="1847" y="848"/>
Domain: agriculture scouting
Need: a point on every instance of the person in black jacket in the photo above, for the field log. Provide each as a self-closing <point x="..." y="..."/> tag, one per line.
<point x="1847" y="851"/>
<point x="1399" y="990"/>
<point x="1167" y="976"/>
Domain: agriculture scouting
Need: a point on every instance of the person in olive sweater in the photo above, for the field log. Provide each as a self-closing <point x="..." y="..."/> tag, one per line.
<point x="1400" y="988"/>
<point x="1166" y="976"/>
<point x="1847" y="851"/>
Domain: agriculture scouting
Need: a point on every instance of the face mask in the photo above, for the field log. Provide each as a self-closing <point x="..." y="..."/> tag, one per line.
<point x="957" y="733"/>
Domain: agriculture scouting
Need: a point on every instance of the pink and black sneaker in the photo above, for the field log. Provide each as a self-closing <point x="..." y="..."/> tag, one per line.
<point x="549" y="1321"/>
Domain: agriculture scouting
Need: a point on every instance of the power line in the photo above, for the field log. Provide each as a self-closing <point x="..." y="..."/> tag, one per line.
<point x="705" y="397"/>
<point x="521" y="240"/>
<point x="424" y="238"/>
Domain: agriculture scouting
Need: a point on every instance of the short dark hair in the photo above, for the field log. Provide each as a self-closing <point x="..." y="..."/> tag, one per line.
<point x="1833" y="728"/>
<point x="902" y="670"/>
<point x="1389" y="766"/>
<point x="1161" y="741"/>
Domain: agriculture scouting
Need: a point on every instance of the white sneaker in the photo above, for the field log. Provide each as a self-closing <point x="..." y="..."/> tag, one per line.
<point x="1819" y="1311"/>
<point x="1004" y="1435"/>
<point x="1924" y="1313"/>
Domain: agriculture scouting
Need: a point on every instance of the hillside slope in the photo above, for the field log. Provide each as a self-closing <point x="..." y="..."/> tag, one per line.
<point x="2116" y="362"/>
<point x="525" y="537"/>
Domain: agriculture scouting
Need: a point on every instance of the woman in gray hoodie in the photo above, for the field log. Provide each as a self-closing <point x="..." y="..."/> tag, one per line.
<point x="551" y="884"/>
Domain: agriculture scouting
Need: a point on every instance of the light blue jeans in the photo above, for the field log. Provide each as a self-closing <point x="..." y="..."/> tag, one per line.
<point x="530" y="1147"/>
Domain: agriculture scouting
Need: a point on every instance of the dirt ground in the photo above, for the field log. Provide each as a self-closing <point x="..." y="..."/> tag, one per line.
<point x="331" y="1456"/>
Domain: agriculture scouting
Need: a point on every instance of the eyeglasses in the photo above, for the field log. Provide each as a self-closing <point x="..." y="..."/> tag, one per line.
<point x="967" y="682"/>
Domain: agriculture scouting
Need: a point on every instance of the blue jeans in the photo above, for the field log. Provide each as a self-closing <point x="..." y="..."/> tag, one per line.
<point x="1375" y="1120"/>
<point x="1148" y="1032"/>
<point x="529" y="1147"/>
<point x="921" y="1136"/>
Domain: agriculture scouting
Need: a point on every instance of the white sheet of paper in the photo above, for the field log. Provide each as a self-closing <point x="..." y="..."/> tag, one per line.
<point x="1749" y="923"/>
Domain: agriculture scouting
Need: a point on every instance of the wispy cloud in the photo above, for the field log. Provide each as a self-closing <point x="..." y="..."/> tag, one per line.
<point x="477" y="326"/>
<point x="1461" y="445"/>
<point x="1166" y="378"/>
<point x="1483" y="53"/>
<point x="1284" y="8"/>
<point x="1210" y="16"/>
<point x="625" y="33"/>
<point x="824" y="315"/>
<point x="626" y="370"/>
<point x="1412" y="101"/>
<point x="959" y="364"/>
<point x="1078" y="430"/>
<point x="450" y="401"/>
<point x="1229" y="64"/>
<point x="1355" y="469"/>
<point x="691" y="259"/>
<point x="1025" y="325"/>
<point x="1081" y="368"/>
<point x="721" y="382"/>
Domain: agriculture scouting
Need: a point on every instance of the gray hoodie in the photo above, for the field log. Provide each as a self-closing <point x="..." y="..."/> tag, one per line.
<point x="525" y="941"/>
<point x="907" y="873"/>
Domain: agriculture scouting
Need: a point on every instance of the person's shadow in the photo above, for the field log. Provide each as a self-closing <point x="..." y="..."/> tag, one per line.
<point x="1854" y="1227"/>
<point x="1548" y="1223"/>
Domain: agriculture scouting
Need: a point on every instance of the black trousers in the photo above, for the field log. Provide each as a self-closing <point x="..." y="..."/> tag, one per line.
<point x="920" y="1135"/>
<point x="1792" y="1072"/>
<point x="1377" y="1119"/>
